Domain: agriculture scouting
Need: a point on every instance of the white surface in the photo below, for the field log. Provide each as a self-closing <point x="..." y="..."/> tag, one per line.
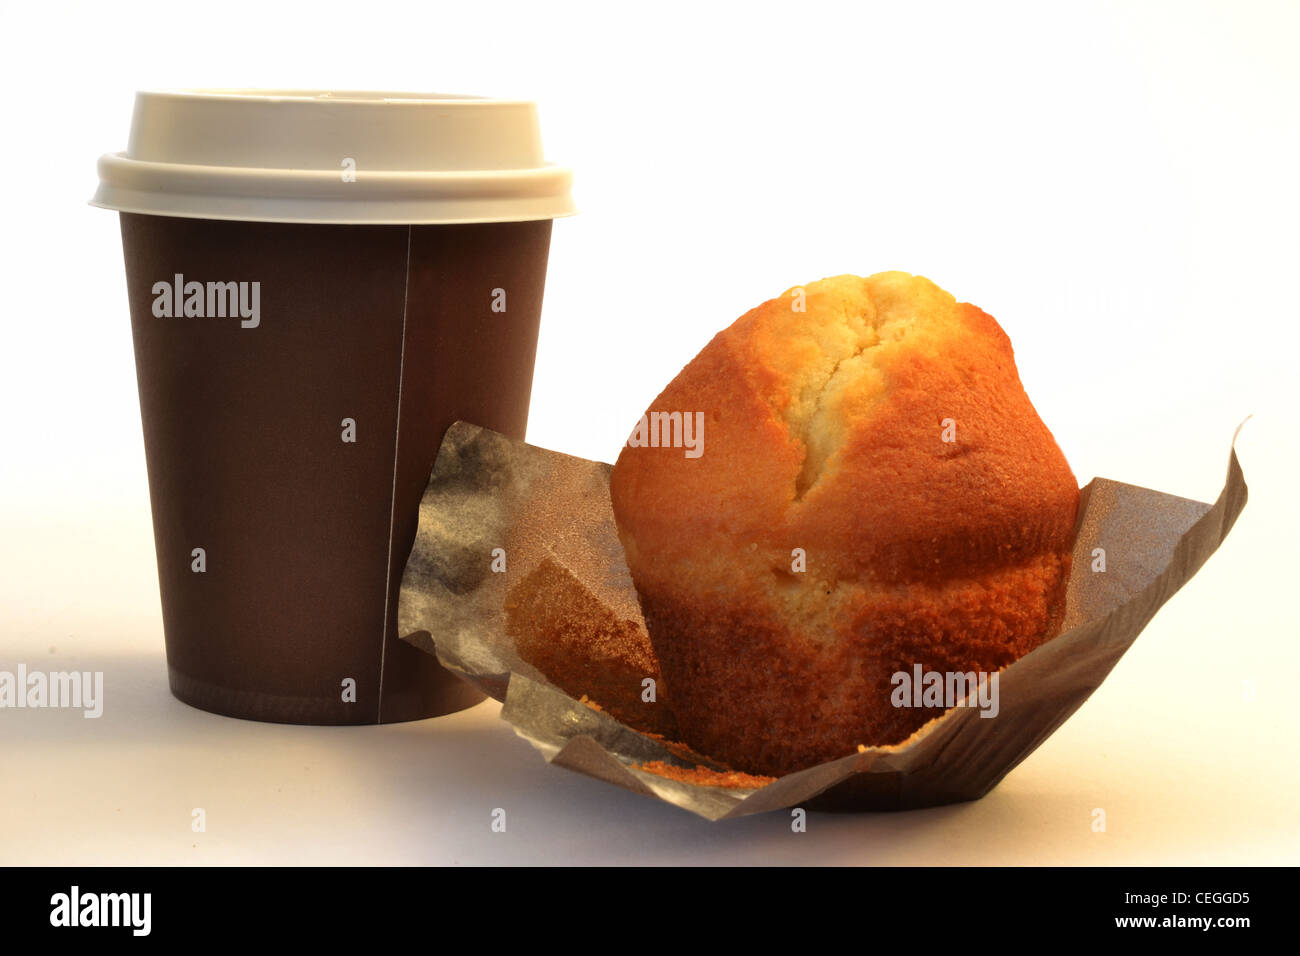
<point x="1114" y="182"/>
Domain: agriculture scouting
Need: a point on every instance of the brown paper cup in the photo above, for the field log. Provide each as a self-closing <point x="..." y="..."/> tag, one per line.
<point x="320" y="283"/>
<point x="286" y="459"/>
<point x="542" y="508"/>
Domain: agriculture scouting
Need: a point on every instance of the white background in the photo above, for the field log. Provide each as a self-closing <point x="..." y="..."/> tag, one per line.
<point x="1116" y="183"/>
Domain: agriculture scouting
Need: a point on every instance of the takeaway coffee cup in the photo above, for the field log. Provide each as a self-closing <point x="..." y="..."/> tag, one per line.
<point x="320" y="283"/>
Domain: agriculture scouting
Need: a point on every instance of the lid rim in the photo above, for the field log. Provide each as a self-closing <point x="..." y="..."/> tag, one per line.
<point x="304" y="221"/>
<point x="120" y="160"/>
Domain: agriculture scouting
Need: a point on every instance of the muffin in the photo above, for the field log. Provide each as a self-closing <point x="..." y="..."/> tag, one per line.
<point x="584" y="648"/>
<point x="847" y="482"/>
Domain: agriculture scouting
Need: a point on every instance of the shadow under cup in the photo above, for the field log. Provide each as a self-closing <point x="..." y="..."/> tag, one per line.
<point x="295" y="383"/>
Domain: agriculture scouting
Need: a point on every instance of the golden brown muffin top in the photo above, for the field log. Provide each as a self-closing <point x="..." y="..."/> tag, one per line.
<point x="875" y="422"/>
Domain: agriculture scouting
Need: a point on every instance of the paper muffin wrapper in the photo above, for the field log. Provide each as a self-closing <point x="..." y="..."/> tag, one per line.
<point x="493" y="500"/>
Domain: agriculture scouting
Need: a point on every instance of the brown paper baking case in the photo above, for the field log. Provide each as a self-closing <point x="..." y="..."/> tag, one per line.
<point x="495" y="509"/>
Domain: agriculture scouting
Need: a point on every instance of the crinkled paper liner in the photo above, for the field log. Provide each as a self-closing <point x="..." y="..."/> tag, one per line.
<point x="488" y="491"/>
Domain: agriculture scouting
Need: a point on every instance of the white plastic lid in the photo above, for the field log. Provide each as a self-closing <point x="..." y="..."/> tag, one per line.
<point x="333" y="157"/>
